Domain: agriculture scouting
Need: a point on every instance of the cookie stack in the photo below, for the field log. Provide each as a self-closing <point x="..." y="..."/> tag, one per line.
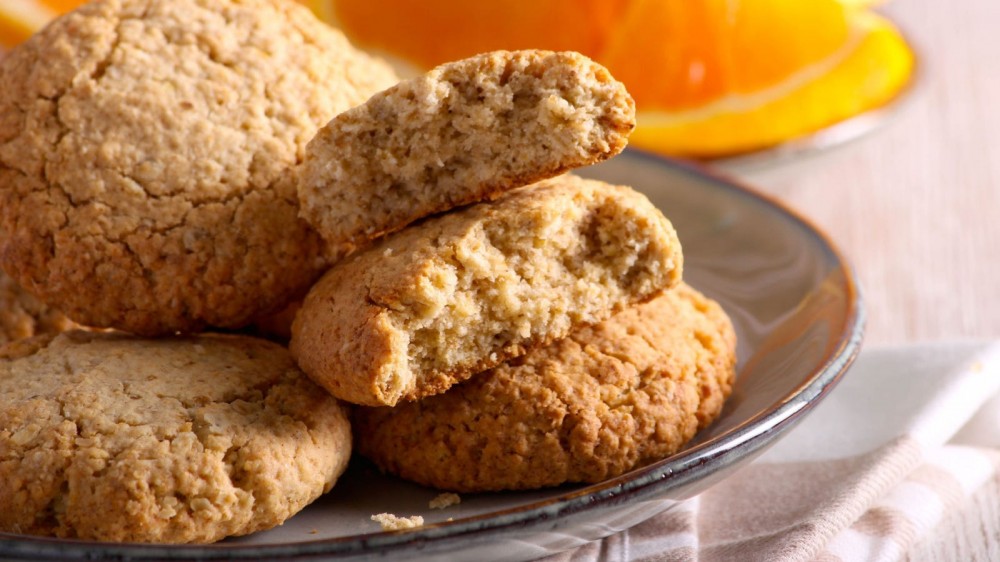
<point x="537" y="338"/>
<point x="174" y="168"/>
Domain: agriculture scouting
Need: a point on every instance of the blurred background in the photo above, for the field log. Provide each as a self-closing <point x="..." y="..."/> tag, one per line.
<point x="874" y="120"/>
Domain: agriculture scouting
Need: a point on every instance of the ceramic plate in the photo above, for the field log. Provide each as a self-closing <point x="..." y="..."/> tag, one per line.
<point x="799" y="320"/>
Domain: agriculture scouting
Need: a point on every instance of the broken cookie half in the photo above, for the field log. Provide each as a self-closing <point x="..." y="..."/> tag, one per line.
<point x="466" y="131"/>
<point x="459" y="293"/>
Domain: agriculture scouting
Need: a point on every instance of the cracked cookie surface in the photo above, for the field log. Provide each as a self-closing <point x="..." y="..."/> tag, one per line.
<point x="608" y="398"/>
<point x="146" y="151"/>
<point x="117" y="438"/>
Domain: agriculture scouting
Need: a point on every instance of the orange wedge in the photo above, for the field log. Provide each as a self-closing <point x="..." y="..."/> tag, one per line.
<point x="710" y="78"/>
<point x="19" y="19"/>
<point x="773" y="70"/>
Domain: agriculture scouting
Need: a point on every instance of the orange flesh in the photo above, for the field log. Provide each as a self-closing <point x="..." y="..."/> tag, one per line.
<point x="61" y="6"/>
<point x="874" y="73"/>
<point x="12" y="31"/>
<point x="432" y="32"/>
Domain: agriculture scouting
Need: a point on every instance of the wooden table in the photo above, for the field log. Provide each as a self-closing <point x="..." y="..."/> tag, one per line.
<point x="916" y="207"/>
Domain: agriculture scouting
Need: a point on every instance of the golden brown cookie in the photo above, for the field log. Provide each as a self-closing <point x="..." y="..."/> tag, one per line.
<point x="463" y="132"/>
<point x="607" y="399"/>
<point x="436" y="302"/>
<point x="146" y="150"/>
<point x="23" y="316"/>
<point x="278" y="326"/>
<point x="117" y="438"/>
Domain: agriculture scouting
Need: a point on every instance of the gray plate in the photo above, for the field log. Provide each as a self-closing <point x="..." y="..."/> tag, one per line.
<point x="798" y="315"/>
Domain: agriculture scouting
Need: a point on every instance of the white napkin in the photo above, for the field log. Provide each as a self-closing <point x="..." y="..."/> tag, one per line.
<point x="908" y="434"/>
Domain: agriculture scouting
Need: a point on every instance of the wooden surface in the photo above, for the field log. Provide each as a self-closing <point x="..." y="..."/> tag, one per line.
<point x="915" y="206"/>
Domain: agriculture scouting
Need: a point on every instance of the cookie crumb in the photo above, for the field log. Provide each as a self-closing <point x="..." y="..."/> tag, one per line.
<point x="313" y="532"/>
<point x="444" y="500"/>
<point x="390" y="522"/>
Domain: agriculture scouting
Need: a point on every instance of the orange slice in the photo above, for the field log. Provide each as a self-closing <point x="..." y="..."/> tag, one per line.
<point x="19" y="19"/>
<point x="871" y="68"/>
<point x="710" y="78"/>
<point x="771" y="70"/>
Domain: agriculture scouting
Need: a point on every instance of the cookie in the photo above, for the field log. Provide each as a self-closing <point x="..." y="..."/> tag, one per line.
<point x="277" y="326"/>
<point x="117" y="438"/>
<point x="463" y="132"/>
<point x="599" y="403"/>
<point x="456" y="294"/>
<point x="23" y="316"/>
<point x="146" y="158"/>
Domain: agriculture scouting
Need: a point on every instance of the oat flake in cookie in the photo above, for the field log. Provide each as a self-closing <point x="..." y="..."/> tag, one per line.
<point x="145" y="157"/>
<point x="599" y="403"/>
<point x="117" y="438"/>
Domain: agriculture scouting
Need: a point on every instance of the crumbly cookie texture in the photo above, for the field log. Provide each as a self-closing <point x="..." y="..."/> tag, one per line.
<point x="391" y="522"/>
<point x="607" y="399"/>
<point x="116" y="438"/>
<point x="146" y="158"/>
<point x="442" y="501"/>
<point x="461" y="292"/>
<point x="465" y="131"/>
<point x="23" y="316"/>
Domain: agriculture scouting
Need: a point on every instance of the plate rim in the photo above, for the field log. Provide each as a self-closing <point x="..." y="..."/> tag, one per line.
<point x="752" y="435"/>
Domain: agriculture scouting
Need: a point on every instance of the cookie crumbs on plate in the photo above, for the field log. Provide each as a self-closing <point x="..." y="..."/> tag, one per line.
<point x="390" y="522"/>
<point x="444" y="500"/>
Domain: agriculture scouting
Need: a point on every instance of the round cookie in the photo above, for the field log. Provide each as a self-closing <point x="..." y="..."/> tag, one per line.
<point x="629" y="391"/>
<point x="146" y="157"/>
<point x="117" y="438"/>
<point x="23" y="316"/>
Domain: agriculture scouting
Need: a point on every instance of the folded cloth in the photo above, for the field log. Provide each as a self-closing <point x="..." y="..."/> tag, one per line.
<point x="908" y="434"/>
